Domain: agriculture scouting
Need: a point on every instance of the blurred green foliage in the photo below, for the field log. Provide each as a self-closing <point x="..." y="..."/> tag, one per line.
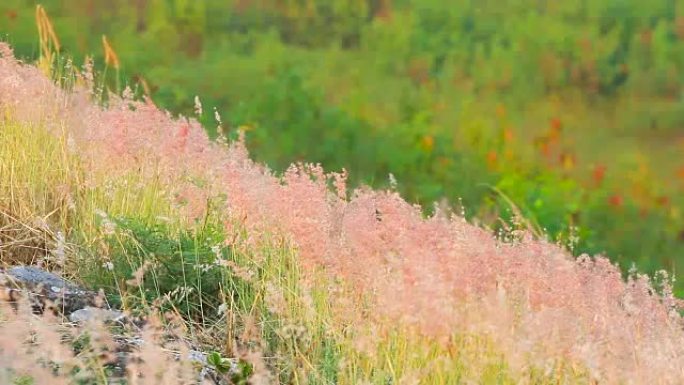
<point x="572" y="110"/>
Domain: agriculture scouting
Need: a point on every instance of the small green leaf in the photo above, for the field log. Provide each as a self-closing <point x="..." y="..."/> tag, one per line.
<point x="214" y="359"/>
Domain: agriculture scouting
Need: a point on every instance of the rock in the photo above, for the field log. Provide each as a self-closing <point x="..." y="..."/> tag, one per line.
<point x="93" y="313"/>
<point x="41" y="286"/>
<point x="207" y="372"/>
<point x="197" y="357"/>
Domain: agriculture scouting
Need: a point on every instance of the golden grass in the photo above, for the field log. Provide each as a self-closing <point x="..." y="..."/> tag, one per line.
<point x="49" y="42"/>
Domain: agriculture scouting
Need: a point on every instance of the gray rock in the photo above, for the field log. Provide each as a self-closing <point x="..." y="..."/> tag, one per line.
<point x="197" y="357"/>
<point x="65" y="297"/>
<point x="43" y="287"/>
<point x="93" y="313"/>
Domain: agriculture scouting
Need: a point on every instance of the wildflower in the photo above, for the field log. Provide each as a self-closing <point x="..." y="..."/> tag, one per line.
<point x="500" y="111"/>
<point x="108" y="227"/>
<point x="598" y="174"/>
<point x="616" y="200"/>
<point x="198" y="106"/>
<point x="492" y="159"/>
<point x="663" y="201"/>
<point x="427" y="143"/>
<point x="88" y="71"/>
<point x="203" y="268"/>
<point x="217" y="116"/>
<point x="127" y="94"/>
<point x="508" y="135"/>
<point x="556" y="125"/>
<point x="392" y="181"/>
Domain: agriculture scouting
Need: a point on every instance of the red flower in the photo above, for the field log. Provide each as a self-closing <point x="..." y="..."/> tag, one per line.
<point x="598" y="174"/>
<point x="508" y="134"/>
<point x="491" y="159"/>
<point x="556" y="125"/>
<point x="663" y="201"/>
<point x="616" y="200"/>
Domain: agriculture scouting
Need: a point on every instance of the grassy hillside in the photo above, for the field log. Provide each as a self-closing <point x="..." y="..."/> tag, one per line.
<point x="571" y="111"/>
<point x="300" y="279"/>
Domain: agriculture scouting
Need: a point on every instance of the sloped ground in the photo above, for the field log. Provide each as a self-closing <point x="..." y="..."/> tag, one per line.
<point x="292" y="275"/>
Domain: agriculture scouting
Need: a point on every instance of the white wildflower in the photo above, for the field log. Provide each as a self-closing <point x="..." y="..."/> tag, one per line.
<point x="216" y="249"/>
<point x="392" y="181"/>
<point x="108" y="226"/>
<point x="198" y="106"/>
<point x="222" y="309"/>
<point x="127" y="94"/>
<point x="217" y="116"/>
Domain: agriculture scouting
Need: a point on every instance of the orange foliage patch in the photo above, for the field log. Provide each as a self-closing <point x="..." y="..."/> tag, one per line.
<point x="616" y="200"/>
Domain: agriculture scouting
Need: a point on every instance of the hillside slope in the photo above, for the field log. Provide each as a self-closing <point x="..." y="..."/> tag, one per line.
<point x="305" y="281"/>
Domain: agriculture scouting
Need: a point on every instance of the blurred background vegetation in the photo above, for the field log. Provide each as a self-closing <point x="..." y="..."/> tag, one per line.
<point x="571" y="110"/>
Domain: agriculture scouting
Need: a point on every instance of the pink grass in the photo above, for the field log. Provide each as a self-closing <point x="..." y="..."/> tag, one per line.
<point x="440" y="275"/>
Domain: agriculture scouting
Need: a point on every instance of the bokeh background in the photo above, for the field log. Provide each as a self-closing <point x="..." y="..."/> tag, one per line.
<point x="570" y="112"/>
